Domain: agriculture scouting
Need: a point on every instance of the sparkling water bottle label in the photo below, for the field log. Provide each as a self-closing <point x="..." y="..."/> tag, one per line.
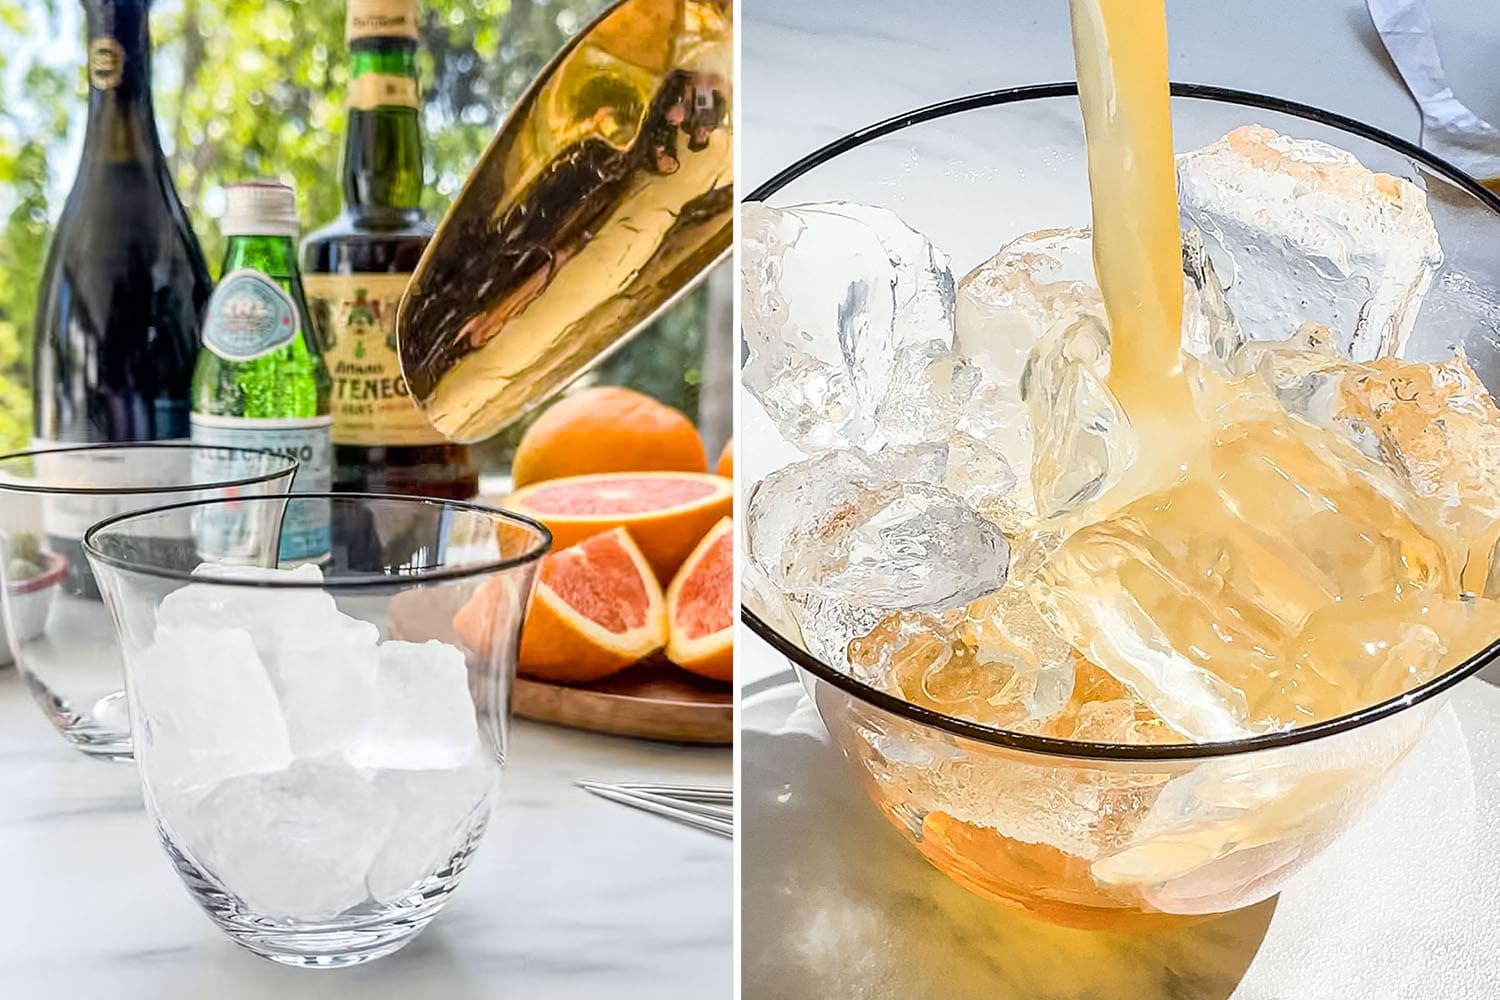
<point x="306" y="531"/>
<point x="248" y="316"/>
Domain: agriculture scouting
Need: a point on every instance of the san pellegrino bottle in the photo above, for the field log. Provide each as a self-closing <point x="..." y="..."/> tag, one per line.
<point x="357" y="268"/>
<point x="260" y="380"/>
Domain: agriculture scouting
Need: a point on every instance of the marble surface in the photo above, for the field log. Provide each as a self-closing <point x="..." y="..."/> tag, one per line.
<point x="569" y="896"/>
<point x="1402" y="906"/>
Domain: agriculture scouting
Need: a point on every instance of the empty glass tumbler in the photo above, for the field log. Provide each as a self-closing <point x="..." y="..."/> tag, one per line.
<point x="318" y="744"/>
<point x="52" y="622"/>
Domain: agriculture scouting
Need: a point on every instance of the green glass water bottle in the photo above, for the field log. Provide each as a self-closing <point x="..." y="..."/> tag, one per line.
<point x="260" y="381"/>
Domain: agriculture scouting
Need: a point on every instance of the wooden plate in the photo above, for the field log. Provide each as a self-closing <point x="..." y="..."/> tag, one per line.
<point x="652" y="700"/>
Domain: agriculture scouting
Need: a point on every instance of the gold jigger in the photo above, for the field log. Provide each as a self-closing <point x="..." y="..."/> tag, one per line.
<point x="606" y="195"/>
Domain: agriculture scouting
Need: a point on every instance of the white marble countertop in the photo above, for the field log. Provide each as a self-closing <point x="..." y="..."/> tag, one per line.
<point x="569" y="896"/>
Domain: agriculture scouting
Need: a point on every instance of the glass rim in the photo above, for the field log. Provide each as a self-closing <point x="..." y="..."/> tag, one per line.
<point x="1069" y="88"/>
<point x="289" y="465"/>
<point x="1079" y="749"/>
<point x="539" y="548"/>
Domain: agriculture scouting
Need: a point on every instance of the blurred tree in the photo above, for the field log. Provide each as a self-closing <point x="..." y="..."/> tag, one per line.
<point x="252" y="88"/>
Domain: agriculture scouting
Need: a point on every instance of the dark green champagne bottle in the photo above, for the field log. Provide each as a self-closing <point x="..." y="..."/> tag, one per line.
<point x="125" y="281"/>
<point x="357" y="268"/>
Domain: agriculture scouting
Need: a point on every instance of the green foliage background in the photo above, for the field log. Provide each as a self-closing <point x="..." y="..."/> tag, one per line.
<point x="256" y="88"/>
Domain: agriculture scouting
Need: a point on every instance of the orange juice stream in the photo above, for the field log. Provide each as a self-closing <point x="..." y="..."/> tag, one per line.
<point x="1120" y="47"/>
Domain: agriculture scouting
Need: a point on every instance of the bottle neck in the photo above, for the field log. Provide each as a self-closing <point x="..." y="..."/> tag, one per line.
<point x="274" y="256"/>
<point x="122" y="122"/>
<point x="383" y="140"/>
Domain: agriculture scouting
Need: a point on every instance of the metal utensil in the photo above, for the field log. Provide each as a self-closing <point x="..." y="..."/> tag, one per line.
<point x="685" y="793"/>
<point x="607" y="194"/>
<point x="1449" y="128"/>
<point x="687" y="805"/>
<point x="658" y="805"/>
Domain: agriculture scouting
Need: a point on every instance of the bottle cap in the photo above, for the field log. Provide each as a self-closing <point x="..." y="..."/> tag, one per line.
<point x="381" y="19"/>
<point x="260" y="208"/>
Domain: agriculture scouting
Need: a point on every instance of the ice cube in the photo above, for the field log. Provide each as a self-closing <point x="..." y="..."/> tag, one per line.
<point x="983" y="479"/>
<point x="1433" y="425"/>
<point x="848" y="536"/>
<point x="1032" y="286"/>
<point x="1301" y="231"/>
<point x="1303" y="371"/>
<point x="326" y="683"/>
<point x="267" y="613"/>
<point x="831" y="293"/>
<point x="993" y="661"/>
<point x="1209" y="330"/>
<point x="936" y="393"/>
<point x="829" y="623"/>
<point x="208" y="709"/>
<point x="902" y="545"/>
<point x="1211" y="599"/>
<point x="1437" y="425"/>
<point x="1029" y="810"/>
<point x="437" y="814"/>
<point x="897" y="545"/>
<point x="767" y="601"/>
<point x="423" y="717"/>
<point x="307" y="572"/>
<point x="292" y="843"/>
<point x="1083" y="441"/>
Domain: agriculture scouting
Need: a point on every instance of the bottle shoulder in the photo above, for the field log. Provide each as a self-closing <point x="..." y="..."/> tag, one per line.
<point x="351" y="229"/>
<point x="343" y="248"/>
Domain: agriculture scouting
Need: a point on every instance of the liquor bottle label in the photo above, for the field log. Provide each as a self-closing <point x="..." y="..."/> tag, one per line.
<point x="356" y="320"/>
<point x="248" y="316"/>
<point x="306" y="529"/>
<point x="106" y="63"/>
<point x="381" y="19"/>
<point x="369" y="91"/>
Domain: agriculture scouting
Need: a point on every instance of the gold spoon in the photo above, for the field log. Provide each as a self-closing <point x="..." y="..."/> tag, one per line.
<point x="606" y="195"/>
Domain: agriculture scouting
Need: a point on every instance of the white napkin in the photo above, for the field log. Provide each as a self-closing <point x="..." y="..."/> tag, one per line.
<point x="1449" y="129"/>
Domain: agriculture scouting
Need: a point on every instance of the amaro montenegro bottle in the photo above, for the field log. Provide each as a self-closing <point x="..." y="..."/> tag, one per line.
<point x="357" y="268"/>
<point x="260" y="380"/>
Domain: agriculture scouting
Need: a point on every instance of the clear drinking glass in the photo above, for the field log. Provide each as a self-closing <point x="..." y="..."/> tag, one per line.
<point x="317" y="745"/>
<point x="52" y="622"/>
<point x="1094" y="834"/>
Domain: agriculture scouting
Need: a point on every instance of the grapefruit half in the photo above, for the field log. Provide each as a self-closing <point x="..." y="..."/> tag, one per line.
<point x="665" y="512"/>
<point x="699" y="613"/>
<point x="596" y="609"/>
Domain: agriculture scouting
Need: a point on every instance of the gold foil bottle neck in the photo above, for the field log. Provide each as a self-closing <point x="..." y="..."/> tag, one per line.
<point x="381" y="19"/>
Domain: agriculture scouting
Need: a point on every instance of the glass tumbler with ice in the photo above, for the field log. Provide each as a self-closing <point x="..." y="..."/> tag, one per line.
<point x="317" y="745"/>
<point x="52" y="622"/>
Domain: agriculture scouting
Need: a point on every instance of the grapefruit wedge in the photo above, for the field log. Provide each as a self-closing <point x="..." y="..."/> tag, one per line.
<point x="665" y="512"/>
<point x="597" y="609"/>
<point x="699" y="613"/>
